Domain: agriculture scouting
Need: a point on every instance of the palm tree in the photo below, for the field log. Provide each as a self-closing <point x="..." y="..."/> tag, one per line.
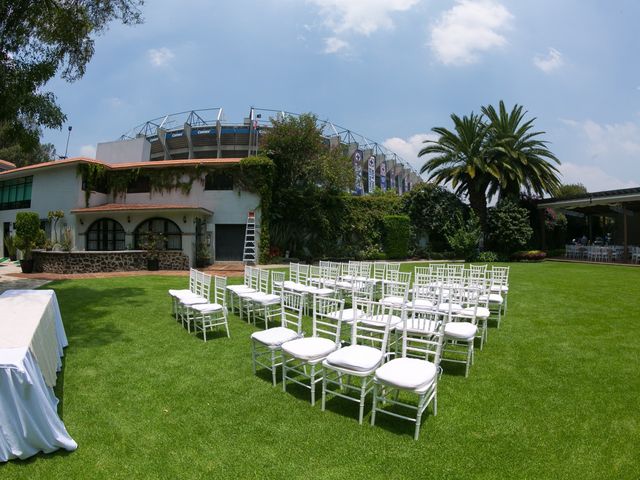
<point x="461" y="161"/>
<point x="516" y="151"/>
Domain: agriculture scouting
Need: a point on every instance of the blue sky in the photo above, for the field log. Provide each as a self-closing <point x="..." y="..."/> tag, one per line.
<point x="388" y="69"/>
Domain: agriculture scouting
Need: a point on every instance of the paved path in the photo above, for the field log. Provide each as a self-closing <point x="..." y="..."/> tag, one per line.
<point x="9" y="280"/>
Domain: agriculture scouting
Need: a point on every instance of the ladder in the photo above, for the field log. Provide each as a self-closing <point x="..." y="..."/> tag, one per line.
<point x="249" y="253"/>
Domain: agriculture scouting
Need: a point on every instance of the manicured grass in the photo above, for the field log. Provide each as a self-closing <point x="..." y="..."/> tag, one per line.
<point x="554" y="394"/>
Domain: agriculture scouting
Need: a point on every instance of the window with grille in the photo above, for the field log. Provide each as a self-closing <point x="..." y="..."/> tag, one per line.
<point x="105" y="235"/>
<point x="171" y="233"/>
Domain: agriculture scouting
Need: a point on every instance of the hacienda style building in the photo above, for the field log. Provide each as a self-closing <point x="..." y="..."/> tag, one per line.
<point x="110" y="204"/>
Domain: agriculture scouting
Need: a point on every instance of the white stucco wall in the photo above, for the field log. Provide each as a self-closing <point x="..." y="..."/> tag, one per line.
<point x="59" y="188"/>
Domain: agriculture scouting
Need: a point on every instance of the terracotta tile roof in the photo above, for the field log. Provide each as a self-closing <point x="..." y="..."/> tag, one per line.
<point x="123" y="166"/>
<point x="5" y="164"/>
<point x="128" y="207"/>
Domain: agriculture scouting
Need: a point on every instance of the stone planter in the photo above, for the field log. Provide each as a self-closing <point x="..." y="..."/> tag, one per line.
<point x="26" y="265"/>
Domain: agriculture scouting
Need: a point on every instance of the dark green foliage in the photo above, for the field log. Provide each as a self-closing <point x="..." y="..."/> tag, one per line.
<point x="38" y="39"/>
<point x="396" y="236"/>
<point x="509" y="227"/>
<point x="465" y="237"/>
<point x="23" y="155"/>
<point x="28" y="232"/>
<point x="316" y="223"/>
<point x="432" y="210"/>
<point x="301" y="157"/>
<point x="486" y="256"/>
<point x="570" y="190"/>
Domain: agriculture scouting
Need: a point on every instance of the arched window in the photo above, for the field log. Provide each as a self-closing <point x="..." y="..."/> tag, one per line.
<point x="162" y="226"/>
<point x="105" y="234"/>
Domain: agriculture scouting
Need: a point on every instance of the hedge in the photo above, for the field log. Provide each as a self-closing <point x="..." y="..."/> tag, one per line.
<point x="396" y="235"/>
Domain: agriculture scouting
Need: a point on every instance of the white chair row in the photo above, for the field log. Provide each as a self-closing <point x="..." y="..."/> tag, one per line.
<point x="193" y="306"/>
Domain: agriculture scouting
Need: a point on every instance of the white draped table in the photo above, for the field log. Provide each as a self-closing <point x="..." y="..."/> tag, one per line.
<point x="31" y="341"/>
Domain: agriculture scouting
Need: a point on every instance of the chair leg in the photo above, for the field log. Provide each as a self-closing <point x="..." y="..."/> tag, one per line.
<point x="375" y="404"/>
<point x="253" y="357"/>
<point x="284" y="372"/>
<point x="324" y="390"/>
<point x="273" y="367"/>
<point x="363" y="390"/>
<point x="226" y="325"/>
<point x="313" y="385"/>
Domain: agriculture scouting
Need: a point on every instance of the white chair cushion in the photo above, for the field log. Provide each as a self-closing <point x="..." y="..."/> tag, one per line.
<point x="207" y="307"/>
<point x="460" y="330"/>
<point x="407" y="373"/>
<point x="481" y="312"/>
<point x="187" y="294"/>
<point x="348" y="315"/>
<point x="359" y="358"/>
<point x="274" y="337"/>
<point x="175" y="293"/>
<point x="421" y="303"/>
<point x="392" y="300"/>
<point x="263" y="298"/>
<point x="193" y="301"/>
<point x="312" y="348"/>
<point x="240" y="288"/>
<point x="342" y="284"/>
<point x="380" y="320"/>
<point x="493" y="298"/>
<point x="499" y="288"/>
<point x="455" y="308"/>
<point x="323" y="292"/>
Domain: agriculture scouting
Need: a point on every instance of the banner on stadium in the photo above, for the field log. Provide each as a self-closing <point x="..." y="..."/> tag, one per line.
<point x="371" y="170"/>
<point x="357" y="167"/>
<point x="383" y="176"/>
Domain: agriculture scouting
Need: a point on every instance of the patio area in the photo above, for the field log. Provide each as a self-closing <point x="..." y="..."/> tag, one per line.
<point x="553" y="394"/>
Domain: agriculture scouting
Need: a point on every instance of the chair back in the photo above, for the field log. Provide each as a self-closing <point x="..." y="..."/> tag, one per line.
<point x="423" y="335"/>
<point x="303" y="274"/>
<point x="277" y="282"/>
<point x="327" y="317"/>
<point x="263" y="280"/>
<point x="292" y="305"/>
<point x="372" y="329"/>
<point x="379" y="269"/>
<point x="204" y="288"/>
<point x="362" y="290"/>
<point x="294" y="269"/>
<point x="219" y="290"/>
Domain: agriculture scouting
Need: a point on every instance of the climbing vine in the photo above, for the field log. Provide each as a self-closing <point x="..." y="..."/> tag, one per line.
<point x="254" y="174"/>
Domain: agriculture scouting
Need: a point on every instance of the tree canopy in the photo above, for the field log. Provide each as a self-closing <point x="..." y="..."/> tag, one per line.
<point x="495" y="153"/>
<point x="39" y="39"/>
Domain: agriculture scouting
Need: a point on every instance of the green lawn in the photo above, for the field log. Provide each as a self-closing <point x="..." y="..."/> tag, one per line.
<point x="554" y="394"/>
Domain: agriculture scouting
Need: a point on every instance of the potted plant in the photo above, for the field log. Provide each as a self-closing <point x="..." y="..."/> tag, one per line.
<point x="10" y="244"/>
<point x="28" y="236"/>
<point x="153" y="243"/>
<point x="203" y="256"/>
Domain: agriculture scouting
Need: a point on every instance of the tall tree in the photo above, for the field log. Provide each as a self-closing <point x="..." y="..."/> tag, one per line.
<point x="516" y="151"/>
<point x="459" y="159"/>
<point x="38" y="39"/>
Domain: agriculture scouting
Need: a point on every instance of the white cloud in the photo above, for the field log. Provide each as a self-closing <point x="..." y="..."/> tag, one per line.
<point x="468" y="29"/>
<point x="88" y="151"/>
<point x="335" y="45"/>
<point x="552" y="61"/>
<point x="409" y="148"/>
<point x="593" y="178"/>
<point x="114" y="102"/>
<point x="609" y="142"/>
<point x="360" y="16"/>
<point x="160" y="57"/>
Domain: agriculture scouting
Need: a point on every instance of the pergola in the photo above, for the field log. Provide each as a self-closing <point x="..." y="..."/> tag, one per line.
<point x="621" y="204"/>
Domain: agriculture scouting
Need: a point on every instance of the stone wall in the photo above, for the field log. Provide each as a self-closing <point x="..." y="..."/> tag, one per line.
<point x="95" y="262"/>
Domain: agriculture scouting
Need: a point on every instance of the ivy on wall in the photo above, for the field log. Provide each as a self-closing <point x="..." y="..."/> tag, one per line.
<point x="254" y="174"/>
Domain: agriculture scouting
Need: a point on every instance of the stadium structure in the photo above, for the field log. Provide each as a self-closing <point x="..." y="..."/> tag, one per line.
<point x="206" y="134"/>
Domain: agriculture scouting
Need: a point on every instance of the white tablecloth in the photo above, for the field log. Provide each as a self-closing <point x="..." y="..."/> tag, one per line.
<point x="31" y="341"/>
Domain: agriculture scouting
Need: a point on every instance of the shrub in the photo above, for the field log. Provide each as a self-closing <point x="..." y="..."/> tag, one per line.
<point x="487" y="256"/>
<point x="29" y="235"/>
<point x="509" y="227"/>
<point x="466" y="237"/>
<point x="556" y="252"/>
<point x="528" y="256"/>
<point x="396" y="236"/>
